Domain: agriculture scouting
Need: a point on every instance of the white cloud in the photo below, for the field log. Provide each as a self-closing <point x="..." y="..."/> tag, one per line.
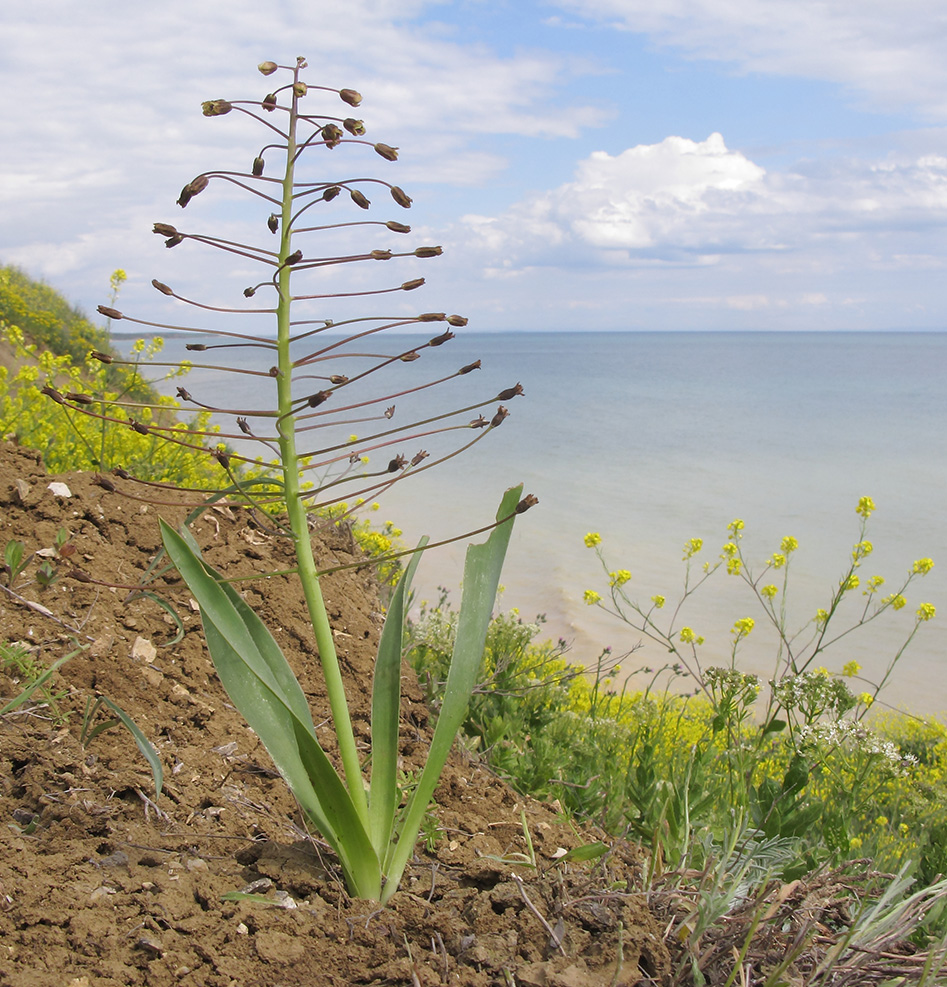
<point x="890" y="54"/>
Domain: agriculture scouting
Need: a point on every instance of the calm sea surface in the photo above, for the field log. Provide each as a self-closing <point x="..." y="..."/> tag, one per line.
<point x="655" y="438"/>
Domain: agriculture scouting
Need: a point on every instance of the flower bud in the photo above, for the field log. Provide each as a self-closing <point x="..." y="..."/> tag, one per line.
<point x="163" y="288"/>
<point x="432" y="317"/>
<point x="390" y="412"/>
<point x="222" y="458"/>
<point x="215" y="107"/>
<point x="101" y="357"/>
<point x="300" y="88"/>
<point x="51" y="392"/>
<point x="273" y="372"/>
<point x="359" y="199"/>
<point x="269" y="102"/>
<point x="456" y="321"/>
<point x="294" y="258"/>
<point x="243" y="426"/>
<point x="510" y="393"/>
<point x="173" y="241"/>
<point x="195" y="347"/>
<point x="164" y="229"/>
<point x="78" y="398"/>
<point x="387" y="152"/>
<point x="480" y="422"/>
<point x="381" y="255"/>
<point x="122" y="474"/>
<point x="419" y="457"/>
<point x="411" y="285"/>
<point x="184" y="394"/>
<point x="410" y="357"/>
<point x="316" y="399"/>
<point x="110" y="313"/>
<point x="355" y="127"/>
<point x="331" y="134"/>
<point x="428" y="251"/>
<point x="398" y="463"/>
<point x="104" y="482"/>
<point x="138" y="427"/>
<point x="338" y="379"/>
<point x="440" y="340"/>
<point x="330" y="193"/>
<point x="78" y="574"/>
<point x="499" y="416"/>
<point x="272" y="222"/>
<point x="350" y="96"/>
<point x="267" y="68"/>
<point x="258" y="166"/>
<point x="191" y="189"/>
<point x="470" y="367"/>
<point x="526" y="503"/>
<point x="400" y="197"/>
<point x="397" y="227"/>
<point x="249" y="292"/>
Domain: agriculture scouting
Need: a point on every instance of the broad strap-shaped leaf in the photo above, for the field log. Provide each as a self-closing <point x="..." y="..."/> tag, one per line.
<point x="386" y="713"/>
<point x="262" y="686"/>
<point x="482" y="569"/>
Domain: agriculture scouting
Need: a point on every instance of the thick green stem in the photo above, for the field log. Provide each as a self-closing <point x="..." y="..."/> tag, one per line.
<point x="295" y="505"/>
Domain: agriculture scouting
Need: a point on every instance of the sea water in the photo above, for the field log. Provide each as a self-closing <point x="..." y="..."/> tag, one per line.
<point x="654" y="438"/>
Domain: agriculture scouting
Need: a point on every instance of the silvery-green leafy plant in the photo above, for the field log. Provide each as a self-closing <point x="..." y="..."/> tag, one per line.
<point x="359" y="817"/>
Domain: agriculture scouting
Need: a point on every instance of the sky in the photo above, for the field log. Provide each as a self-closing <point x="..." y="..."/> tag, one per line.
<point x="585" y="164"/>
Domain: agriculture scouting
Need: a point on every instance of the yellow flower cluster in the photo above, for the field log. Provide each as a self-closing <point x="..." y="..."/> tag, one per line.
<point x="851" y="669"/>
<point x="592" y="539"/>
<point x="619" y="577"/>
<point x="658" y="601"/>
<point x="926" y="611"/>
<point x="689" y="637"/>
<point x="692" y="547"/>
<point x="769" y="591"/>
<point x="591" y="597"/>
<point x="865" y="506"/>
<point x="743" y="627"/>
<point x="789" y="544"/>
<point x="923" y="566"/>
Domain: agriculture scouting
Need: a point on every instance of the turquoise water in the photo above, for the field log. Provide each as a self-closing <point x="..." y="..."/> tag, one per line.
<point x="655" y="438"/>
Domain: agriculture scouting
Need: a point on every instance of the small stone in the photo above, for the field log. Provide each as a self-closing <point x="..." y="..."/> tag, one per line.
<point x="59" y="490"/>
<point x="144" y="650"/>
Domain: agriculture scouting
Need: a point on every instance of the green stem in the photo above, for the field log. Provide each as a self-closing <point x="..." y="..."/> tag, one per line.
<point x="295" y="505"/>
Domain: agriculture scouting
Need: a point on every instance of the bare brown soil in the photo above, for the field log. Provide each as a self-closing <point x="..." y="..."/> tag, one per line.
<point x="103" y="885"/>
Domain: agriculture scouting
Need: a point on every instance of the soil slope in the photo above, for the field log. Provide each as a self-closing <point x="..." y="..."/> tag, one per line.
<point x="103" y="885"/>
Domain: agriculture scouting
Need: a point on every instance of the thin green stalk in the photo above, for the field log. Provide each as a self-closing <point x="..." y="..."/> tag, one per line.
<point x="295" y="506"/>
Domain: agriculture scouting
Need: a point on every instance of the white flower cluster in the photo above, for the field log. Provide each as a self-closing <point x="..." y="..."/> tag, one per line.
<point x="842" y="733"/>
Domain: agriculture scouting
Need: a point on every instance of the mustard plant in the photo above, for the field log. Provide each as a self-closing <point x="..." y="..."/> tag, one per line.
<point x="320" y="468"/>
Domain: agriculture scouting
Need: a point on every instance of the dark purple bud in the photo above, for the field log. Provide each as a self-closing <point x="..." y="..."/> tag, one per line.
<point x="387" y="152"/>
<point x="51" y="392"/>
<point x="192" y="188"/>
<point x="470" y="367"/>
<point x="173" y="241"/>
<point x="138" y="427"/>
<point x="419" y="457"/>
<point x="269" y="102"/>
<point x="411" y="285"/>
<point x="390" y="412"/>
<point x="331" y="134"/>
<point x="350" y="96"/>
<point x="499" y="416"/>
<point x="355" y="127"/>
<point x="410" y="357"/>
<point x="243" y="426"/>
<point x="258" y="165"/>
<point x="267" y="68"/>
<point x="294" y="258"/>
<point x="222" y="458"/>
<point x="110" y="313"/>
<point x="104" y="482"/>
<point x="273" y="371"/>
<point x="398" y="463"/>
<point x="432" y="317"/>
<point x="440" y="340"/>
<point x="480" y="422"/>
<point x="397" y="227"/>
<point x="316" y="399"/>
<point x="184" y="394"/>
<point x="456" y="321"/>
<point x="400" y="197"/>
<point x="338" y="379"/>
<point x="510" y="393"/>
<point x="526" y="503"/>
<point x="215" y="107"/>
<point x="428" y="251"/>
<point x="249" y="292"/>
<point x="101" y="357"/>
<point x="195" y="347"/>
<point x="359" y="199"/>
<point x="79" y="575"/>
<point x="163" y="288"/>
<point x="164" y="229"/>
<point x="381" y="255"/>
<point x="78" y="398"/>
<point x="331" y="192"/>
<point x="273" y="222"/>
<point x="122" y="474"/>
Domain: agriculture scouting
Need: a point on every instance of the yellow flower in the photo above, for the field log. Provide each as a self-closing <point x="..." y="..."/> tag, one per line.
<point x="866" y="699"/>
<point x="881" y="821"/>
<point x="769" y="591"/>
<point x="778" y="560"/>
<point x="729" y="550"/>
<point x="590" y="597"/>
<point x="692" y="547"/>
<point x="896" y="600"/>
<point x="926" y="611"/>
<point x="904" y="829"/>
<point x="619" y="578"/>
<point x="743" y="627"/>
<point x="923" y="566"/>
<point x="851" y="582"/>
<point x="734" y="527"/>
<point x="734" y="566"/>
<point x="789" y="544"/>
<point x="865" y="506"/>
<point x="658" y="601"/>
<point x="851" y="668"/>
<point x="592" y="539"/>
<point x="689" y="637"/>
<point x="855" y="843"/>
<point x="873" y="583"/>
<point x="862" y="549"/>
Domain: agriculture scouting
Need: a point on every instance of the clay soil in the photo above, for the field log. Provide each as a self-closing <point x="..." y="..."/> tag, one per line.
<point x="103" y="884"/>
